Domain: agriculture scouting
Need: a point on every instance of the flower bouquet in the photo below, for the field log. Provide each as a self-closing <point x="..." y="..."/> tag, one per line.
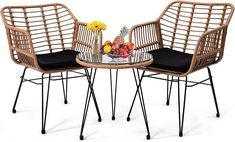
<point x="96" y="27"/>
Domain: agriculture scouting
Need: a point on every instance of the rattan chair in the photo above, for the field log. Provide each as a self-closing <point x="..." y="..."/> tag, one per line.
<point x="46" y="38"/>
<point x="187" y="37"/>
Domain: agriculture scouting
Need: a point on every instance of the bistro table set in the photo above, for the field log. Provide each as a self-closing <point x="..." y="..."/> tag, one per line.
<point x="187" y="37"/>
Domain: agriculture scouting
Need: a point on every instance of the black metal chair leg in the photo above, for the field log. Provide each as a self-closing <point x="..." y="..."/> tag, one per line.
<point x="66" y="85"/>
<point x="213" y="91"/>
<point x="65" y="89"/>
<point x="44" y="112"/>
<point x="141" y="97"/>
<point x="169" y="90"/>
<point x="132" y="104"/>
<point x="90" y="92"/>
<point x="181" y="121"/>
<point x="113" y="99"/>
<point x="18" y="92"/>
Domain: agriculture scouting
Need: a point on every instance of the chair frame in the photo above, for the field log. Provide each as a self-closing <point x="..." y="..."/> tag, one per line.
<point x="209" y="48"/>
<point x="23" y="49"/>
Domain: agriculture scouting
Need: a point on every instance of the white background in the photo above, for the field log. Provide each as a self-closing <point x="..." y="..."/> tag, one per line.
<point x="64" y="121"/>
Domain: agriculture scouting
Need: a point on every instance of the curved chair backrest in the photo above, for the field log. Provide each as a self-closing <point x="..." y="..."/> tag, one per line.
<point x="182" y="23"/>
<point x="51" y="27"/>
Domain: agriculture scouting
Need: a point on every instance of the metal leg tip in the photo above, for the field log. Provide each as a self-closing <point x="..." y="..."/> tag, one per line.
<point x="65" y="102"/>
<point x="99" y="119"/>
<point x="218" y="115"/>
<point x="43" y="131"/>
<point x="167" y="103"/>
<point x="128" y="119"/>
<point x="81" y="137"/>
<point x="181" y="134"/>
<point x="13" y="111"/>
<point x="113" y="117"/>
<point x="148" y="137"/>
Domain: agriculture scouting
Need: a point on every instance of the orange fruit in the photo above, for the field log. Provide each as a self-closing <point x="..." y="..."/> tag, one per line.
<point x="108" y="42"/>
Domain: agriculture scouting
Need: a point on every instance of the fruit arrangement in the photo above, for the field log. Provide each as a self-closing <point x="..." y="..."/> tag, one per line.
<point x="118" y="48"/>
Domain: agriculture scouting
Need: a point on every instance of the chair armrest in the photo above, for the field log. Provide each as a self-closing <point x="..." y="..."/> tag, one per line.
<point x="84" y="38"/>
<point x="20" y="45"/>
<point x="146" y="36"/>
<point x="210" y="48"/>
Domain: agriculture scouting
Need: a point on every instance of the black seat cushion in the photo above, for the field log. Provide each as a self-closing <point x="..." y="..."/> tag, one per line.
<point x="61" y="59"/>
<point x="168" y="59"/>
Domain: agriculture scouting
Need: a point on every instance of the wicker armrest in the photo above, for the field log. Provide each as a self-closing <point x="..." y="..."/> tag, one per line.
<point x="21" y="47"/>
<point x="210" y="48"/>
<point x="146" y="36"/>
<point x="84" y="39"/>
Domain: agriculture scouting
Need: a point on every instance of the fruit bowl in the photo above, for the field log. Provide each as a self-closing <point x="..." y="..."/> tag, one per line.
<point x="118" y="55"/>
<point x="114" y="50"/>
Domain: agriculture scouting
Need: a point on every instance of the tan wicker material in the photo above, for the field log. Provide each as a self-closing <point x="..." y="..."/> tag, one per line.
<point x="92" y="61"/>
<point x="191" y="27"/>
<point x="117" y="66"/>
<point x="42" y="29"/>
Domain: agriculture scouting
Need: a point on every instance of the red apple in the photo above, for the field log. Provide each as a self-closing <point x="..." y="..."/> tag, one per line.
<point x="125" y="48"/>
<point x="131" y="46"/>
<point x="115" y="46"/>
<point x="121" y="45"/>
<point x="120" y="50"/>
<point x="123" y="52"/>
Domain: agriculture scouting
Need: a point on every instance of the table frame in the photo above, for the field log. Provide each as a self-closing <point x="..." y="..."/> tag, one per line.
<point x="90" y="92"/>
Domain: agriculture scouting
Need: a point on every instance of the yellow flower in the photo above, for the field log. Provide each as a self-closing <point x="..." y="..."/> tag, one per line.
<point x="107" y="49"/>
<point x="89" y="26"/>
<point x="96" y="26"/>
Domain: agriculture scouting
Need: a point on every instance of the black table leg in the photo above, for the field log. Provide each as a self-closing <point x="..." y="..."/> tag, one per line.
<point x="90" y="92"/>
<point x="139" y="91"/>
<point x="133" y="102"/>
<point x="113" y="99"/>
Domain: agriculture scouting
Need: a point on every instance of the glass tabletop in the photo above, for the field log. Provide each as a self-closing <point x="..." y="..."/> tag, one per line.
<point x="136" y="59"/>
